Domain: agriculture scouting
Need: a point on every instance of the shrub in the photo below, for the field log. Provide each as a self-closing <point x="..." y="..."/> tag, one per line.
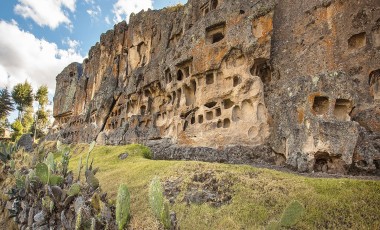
<point x="122" y="206"/>
<point x="147" y="153"/>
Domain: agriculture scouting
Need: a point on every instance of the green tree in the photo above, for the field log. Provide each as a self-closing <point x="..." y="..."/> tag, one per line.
<point x="22" y="95"/>
<point x="41" y="117"/>
<point x="42" y="96"/>
<point x="27" y="119"/>
<point x="18" y="129"/>
<point x="6" y="103"/>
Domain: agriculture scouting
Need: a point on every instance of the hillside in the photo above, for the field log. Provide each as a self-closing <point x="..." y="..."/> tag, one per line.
<point x="222" y="196"/>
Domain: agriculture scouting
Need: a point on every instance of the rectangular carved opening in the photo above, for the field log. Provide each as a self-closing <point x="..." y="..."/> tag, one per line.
<point x="320" y="105"/>
<point x="215" y="33"/>
<point x="342" y="109"/>
<point x="209" y="115"/>
<point x="200" y="119"/>
<point x="209" y="78"/>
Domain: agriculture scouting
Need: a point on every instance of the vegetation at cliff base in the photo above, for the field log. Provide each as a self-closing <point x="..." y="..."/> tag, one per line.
<point x="221" y="196"/>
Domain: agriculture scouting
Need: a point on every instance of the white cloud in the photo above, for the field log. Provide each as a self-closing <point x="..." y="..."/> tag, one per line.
<point x="25" y="57"/>
<point x="49" y="13"/>
<point x="107" y="20"/>
<point x="94" y="12"/>
<point x="123" y="8"/>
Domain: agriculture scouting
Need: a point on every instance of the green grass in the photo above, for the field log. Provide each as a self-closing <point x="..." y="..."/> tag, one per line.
<point x="259" y="196"/>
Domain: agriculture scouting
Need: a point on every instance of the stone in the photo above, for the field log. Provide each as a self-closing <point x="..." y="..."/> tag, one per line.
<point x="40" y="218"/>
<point x="123" y="156"/>
<point x="78" y="203"/>
<point x="235" y="82"/>
<point x="30" y="217"/>
<point x="26" y="142"/>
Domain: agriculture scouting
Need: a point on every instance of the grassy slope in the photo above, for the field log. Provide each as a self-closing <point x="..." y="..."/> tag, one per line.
<point x="259" y="195"/>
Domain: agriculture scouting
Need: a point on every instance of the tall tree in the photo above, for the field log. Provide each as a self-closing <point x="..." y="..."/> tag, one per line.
<point x="41" y="117"/>
<point x="22" y="95"/>
<point x="6" y="103"/>
<point x="42" y="96"/>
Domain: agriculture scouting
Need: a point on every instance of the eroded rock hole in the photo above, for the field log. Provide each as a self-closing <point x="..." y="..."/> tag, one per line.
<point x="247" y="109"/>
<point x="189" y="95"/>
<point x="179" y="93"/>
<point x="210" y="104"/>
<point x="236" y="114"/>
<point x="342" y="109"/>
<point x="217" y="37"/>
<point x="219" y="124"/>
<point x="193" y="120"/>
<point x="242" y="12"/>
<point x="209" y="78"/>
<point x="214" y="4"/>
<point x="209" y="115"/>
<point x="376" y="163"/>
<point x="261" y="68"/>
<point x="142" y="110"/>
<point x="228" y="103"/>
<point x="200" y="119"/>
<point x="179" y="75"/>
<point x="215" y="33"/>
<point x="357" y="41"/>
<point x="321" y="162"/>
<point x="185" y="125"/>
<point x="374" y="84"/>
<point x="236" y="81"/>
<point x="320" y="105"/>
<point x="226" y="123"/>
<point x="218" y="112"/>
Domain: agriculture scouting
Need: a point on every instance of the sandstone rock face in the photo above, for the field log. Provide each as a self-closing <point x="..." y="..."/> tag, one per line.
<point x="234" y="81"/>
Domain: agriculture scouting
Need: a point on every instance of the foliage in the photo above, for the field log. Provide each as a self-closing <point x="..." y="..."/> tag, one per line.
<point x="157" y="202"/>
<point x="147" y="153"/>
<point x="74" y="190"/>
<point x="42" y="96"/>
<point x="42" y="172"/>
<point x="7" y="150"/>
<point x="6" y="103"/>
<point x="122" y="206"/>
<point x="27" y="119"/>
<point x="18" y="129"/>
<point x="22" y="95"/>
<point x="78" y="221"/>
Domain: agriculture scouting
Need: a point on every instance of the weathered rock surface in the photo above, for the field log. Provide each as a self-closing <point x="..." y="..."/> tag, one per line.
<point x="235" y="81"/>
<point x="26" y="142"/>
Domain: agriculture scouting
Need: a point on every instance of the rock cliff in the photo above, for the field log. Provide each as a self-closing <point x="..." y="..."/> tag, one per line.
<point x="285" y="82"/>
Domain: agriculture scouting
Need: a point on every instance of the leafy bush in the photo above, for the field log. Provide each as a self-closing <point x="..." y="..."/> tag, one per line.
<point x="6" y="151"/>
<point x="122" y="206"/>
<point x="147" y="153"/>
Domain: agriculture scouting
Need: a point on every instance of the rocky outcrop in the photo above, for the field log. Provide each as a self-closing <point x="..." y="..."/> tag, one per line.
<point x="280" y="81"/>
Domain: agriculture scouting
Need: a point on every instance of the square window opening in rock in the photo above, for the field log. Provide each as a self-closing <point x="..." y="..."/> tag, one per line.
<point x="321" y="105"/>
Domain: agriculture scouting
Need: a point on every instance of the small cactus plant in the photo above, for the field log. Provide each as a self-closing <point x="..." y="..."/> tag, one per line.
<point x="290" y="216"/>
<point x="74" y="190"/>
<point x="78" y="221"/>
<point x="156" y="200"/>
<point x="42" y="172"/>
<point x="292" y="213"/>
<point x="122" y="206"/>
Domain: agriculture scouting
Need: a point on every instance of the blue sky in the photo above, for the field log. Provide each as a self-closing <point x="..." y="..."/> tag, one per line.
<point x="40" y="37"/>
